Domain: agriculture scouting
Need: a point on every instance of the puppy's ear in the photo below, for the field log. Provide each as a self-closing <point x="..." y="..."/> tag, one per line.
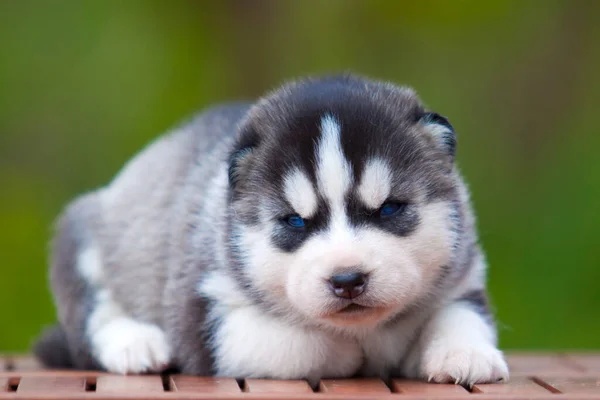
<point x="239" y="158"/>
<point x="441" y="130"/>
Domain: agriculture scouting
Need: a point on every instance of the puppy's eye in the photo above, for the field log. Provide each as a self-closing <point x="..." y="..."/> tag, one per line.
<point x="295" y="221"/>
<point x="389" y="209"/>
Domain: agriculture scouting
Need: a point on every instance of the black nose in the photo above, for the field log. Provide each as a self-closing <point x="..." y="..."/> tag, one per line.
<point x="348" y="286"/>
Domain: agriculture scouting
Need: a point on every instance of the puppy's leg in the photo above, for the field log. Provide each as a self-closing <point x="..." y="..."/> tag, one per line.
<point x="99" y="332"/>
<point x="459" y="345"/>
<point x="122" y="344"/>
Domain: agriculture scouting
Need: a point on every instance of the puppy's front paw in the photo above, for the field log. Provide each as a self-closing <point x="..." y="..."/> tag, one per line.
<point x="445" y="361"/>
<point x="126" y="346"/>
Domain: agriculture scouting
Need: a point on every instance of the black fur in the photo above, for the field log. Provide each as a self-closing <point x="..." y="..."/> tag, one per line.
<point x="288" y="238"/>
<point x="52" y="348"/>
<point x="402" y="224"/>
<point x="285" y="132"/>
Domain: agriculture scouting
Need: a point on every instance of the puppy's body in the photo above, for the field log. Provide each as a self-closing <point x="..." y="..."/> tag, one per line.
<point x="321" y="232"/>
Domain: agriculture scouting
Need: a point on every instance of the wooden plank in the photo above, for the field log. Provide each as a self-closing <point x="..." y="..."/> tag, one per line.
<point x="572" y="385"/>
<point x="183" y="383"/>
<point x="350" y="386"/>
<point x="428" y="389"/>
<point x="3" y="385"/>
<point x="276" y="386"/>
<point x="129" y="384"/>
<point x="51" y="385"/>
<point x="517" y="386"/>
<point x="527" y="364"/>
<point x="589" y="362"/>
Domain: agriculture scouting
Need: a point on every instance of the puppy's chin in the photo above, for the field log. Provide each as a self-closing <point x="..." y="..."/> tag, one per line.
<point x="356" y="315"/>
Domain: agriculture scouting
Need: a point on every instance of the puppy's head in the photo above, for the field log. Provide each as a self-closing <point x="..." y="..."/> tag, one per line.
<point x="341" y="195"/>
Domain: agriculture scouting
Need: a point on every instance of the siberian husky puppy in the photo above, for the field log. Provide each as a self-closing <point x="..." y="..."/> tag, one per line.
<point x="323" y="231"/>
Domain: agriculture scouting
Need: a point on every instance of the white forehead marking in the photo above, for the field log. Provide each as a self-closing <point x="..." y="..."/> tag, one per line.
<point x="375" y="183"/>
<point x="333" y="171"/>
<point x="299" y="193"/>
<point x="334" y="177"/>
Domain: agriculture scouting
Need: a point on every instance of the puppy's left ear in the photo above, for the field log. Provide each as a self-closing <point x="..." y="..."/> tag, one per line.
<point x="241" y="155"/>
<point x="441" y="130"/>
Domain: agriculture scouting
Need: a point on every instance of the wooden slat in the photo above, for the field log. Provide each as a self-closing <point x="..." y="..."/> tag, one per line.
<point x="526" y="364"/>
<point x="3" y="385"/>
<point x="582" y="385"/>
<point x="515" y="386"/>
<point x="589" y="362"/>
<point x="427" y="389"/>
<point x="182" y="383"/>
<point x="346" y="386"/>
<point x="129" y="384"/>
<point x="535" y="376"/>
<point x="51" y="385"/>
<point x="276" y="386"/>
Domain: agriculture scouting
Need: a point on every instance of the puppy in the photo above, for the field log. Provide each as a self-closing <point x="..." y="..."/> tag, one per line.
<point x="321" y="232"/>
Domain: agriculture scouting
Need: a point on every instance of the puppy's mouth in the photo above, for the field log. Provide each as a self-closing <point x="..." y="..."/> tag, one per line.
<point x="354" y="308"/>
<point x="356" y="314"/>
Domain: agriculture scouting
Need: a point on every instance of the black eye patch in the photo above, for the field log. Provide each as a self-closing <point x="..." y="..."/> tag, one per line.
<point x="397" y="217"/>
<point x="289" y="238"/>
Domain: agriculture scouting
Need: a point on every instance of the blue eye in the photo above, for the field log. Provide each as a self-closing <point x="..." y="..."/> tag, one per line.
<point x="389" y="209"/>
<point x="295" y="221"/>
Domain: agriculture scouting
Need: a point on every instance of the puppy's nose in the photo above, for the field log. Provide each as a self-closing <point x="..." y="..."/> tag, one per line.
<point x="348" y="286"/>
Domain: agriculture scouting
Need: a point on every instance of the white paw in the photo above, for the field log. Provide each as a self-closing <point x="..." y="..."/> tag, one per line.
<point x="126" y="346"/>
<point x="445" y="361"/>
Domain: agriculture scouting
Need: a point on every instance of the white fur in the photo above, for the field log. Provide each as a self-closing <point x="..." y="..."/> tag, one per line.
<point x="375" y="183"/>
<point x="334" y="175"/>
<point x="437" y="131"/>
<point x="126" y="346"/>
<point x="122" y="344"/>
<point x="253" y="344"/>
<point x="384" y="348"/>
<point x="89" y="265"/>
<point x="334" y="178"/>
<point x="400" y="269"/>
<point x="222" y="287"/>
<point x="299" y="192"/>
<point x="105" y="310"/>
<point x="458" y="345"/>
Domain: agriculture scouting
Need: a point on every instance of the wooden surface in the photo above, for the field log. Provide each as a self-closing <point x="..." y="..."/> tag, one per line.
<point x="533" y="376"/>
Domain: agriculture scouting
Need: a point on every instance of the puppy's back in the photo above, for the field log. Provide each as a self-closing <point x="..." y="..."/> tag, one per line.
<point x="112" y="244"/>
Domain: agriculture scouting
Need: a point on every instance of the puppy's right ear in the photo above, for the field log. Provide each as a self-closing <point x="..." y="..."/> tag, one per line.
<point x="442" y="132"/>
<point x="239" y="159"/>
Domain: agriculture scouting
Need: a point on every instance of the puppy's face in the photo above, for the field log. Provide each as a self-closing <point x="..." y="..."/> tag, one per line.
<point x="342" y="201"/>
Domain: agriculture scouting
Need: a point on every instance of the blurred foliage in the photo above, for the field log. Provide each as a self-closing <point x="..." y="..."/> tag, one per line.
<point x="85" y="84"/>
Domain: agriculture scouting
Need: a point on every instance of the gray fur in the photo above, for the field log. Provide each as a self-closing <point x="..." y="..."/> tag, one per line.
<point x="173" y="217"/>
<point x="73" y="296"/>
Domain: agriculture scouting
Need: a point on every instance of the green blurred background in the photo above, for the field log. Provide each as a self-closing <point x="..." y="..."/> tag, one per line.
<point x="86" y="84"/>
